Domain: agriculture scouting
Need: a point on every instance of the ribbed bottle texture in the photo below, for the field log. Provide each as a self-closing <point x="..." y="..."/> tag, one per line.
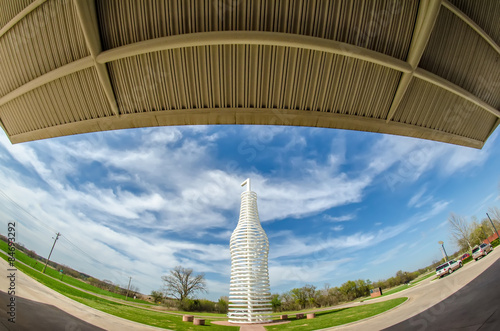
<point x="249" y="295"/>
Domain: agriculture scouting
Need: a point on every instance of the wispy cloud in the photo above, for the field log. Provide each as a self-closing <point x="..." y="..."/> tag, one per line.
<point x="157" y="198"/>
<point x="343" y="218"/>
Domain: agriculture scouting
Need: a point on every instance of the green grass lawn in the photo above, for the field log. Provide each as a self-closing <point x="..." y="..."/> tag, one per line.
<point x="396" y="289"/>
<point x="422" y="278"/>
<point x="38" y="265"/>
<point x="136" y="314"/>
<point x="167" y="320"/>
<point x="337" y="317"/>
<point x="195" y="313"/>
<point x="391" y="291"/>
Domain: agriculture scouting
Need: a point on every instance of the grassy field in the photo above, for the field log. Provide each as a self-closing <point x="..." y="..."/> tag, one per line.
<point x="404" y="286"/>
<point x="136" y="314"/>
<point x="422" y="278"/>
<point x="38" y="265"/>
<point x="337" y="317"/>
<point x="396" y="289"/>
<point x="391" y="291"/>
<point x="170" y="321"/>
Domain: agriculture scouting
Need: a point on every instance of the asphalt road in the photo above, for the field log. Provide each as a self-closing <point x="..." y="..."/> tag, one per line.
<point x="32" y="315"/>
<point x="450" y="303"/>
<point x="41" y="308"/>
<point x="474" y="307"/>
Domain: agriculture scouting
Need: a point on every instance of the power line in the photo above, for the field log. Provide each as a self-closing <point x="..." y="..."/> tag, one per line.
<point x="27" y="212"/>
<point x="119" y="273"/>
<point x="43" y="224"/>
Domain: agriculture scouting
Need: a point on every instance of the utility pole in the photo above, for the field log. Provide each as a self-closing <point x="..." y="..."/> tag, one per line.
<point x="128" y="288"/>
<point x="57" y="237"/>
<point x="498" y="236"/>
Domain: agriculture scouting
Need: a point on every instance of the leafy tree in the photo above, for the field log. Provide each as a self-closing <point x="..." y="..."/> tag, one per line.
<point x="157" y="296"/>
<point x="299" y="296"/>
<point x="288" y="302"/>
<point x="478" y="234"/>
<point x="181" y="283"/>
<point x="222" y="305"/>
<point x="362" y="288"/>
<point x="348" y="289"/>
<point x="276" y="302"/>
<point x="334" y="296"/>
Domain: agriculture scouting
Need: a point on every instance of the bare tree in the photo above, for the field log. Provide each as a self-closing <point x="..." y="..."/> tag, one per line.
<point x="460" y="230"/>
<point x="494" y="213"/>
<point x="182" y="282"/>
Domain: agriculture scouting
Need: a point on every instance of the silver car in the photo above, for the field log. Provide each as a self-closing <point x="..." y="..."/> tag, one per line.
<point x="481" y="250"/>
<point x="447" y="268"/>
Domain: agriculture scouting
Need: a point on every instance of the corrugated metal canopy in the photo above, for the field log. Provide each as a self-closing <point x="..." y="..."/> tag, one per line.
<point x="426" y="69"/>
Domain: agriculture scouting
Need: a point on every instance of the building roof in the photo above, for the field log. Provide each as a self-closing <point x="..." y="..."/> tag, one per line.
<point x="426" y="69"/>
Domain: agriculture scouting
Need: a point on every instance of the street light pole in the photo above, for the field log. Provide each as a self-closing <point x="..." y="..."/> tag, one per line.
<point x="498" y="236"/>
<point x="444" y="250"/>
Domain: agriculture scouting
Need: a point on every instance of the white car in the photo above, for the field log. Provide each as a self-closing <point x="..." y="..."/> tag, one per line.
<point x="481" y="250"/>
<point x="448" y="268"/>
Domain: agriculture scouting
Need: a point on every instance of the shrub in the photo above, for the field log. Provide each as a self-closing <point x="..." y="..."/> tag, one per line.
<point x="495" y="243"/>
<point x="467" y="260"/>
<point x="221" y="306"/>
<point x="187" y="304"/>
<point x="202" y="305"/>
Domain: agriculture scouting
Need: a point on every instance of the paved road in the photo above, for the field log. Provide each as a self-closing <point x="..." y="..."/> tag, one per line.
<point x="475" y="307"/>
<point x="32" y="315"/>
<point x="432" y="303"/>
<point x="41" y="308"/>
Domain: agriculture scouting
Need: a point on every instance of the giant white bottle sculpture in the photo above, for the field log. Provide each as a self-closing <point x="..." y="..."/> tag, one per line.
<point x="249" y="294"/>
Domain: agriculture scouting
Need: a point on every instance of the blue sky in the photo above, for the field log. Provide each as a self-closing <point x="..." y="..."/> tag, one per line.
<point x="336" y="205"/>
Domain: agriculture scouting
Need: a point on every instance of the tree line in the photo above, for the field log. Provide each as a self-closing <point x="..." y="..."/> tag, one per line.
<point x="182" y="284"/>
<point x="309" y="296"/>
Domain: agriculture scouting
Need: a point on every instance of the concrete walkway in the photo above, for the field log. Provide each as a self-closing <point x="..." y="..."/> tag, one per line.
<point x="252" y="327"/>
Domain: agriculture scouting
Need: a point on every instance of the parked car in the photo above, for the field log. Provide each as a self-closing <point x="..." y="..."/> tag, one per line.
<point x="481" y="250"/>
<point x="463" y="257"/>
<point x="448" y="268"/>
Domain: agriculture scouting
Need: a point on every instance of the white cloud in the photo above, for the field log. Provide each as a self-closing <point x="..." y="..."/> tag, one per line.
<point x="343" y="218"/>
<point x="299" y="274"/>
<point x="162" y="198"/>
<point x="337" y="228"/>
<point x="389" y="255"/>
<point x="419" y="199"/>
